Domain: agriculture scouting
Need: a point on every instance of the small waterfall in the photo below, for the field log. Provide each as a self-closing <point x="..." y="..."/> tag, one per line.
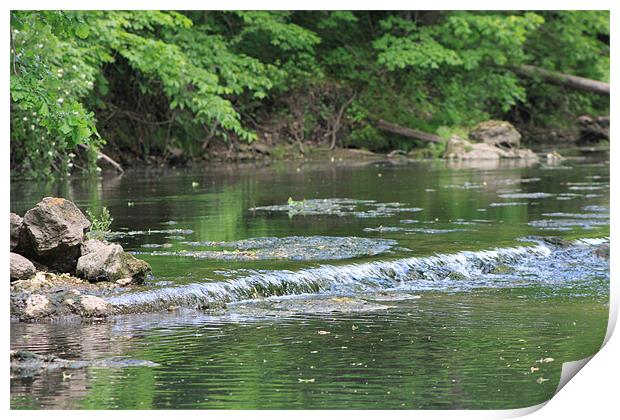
<point x="329" y="278"/>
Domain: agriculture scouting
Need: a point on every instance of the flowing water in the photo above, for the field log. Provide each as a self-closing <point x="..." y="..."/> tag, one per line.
<point x="337" y="285"/>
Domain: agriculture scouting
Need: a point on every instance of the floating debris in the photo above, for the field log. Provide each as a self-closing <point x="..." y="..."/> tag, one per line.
<point x="510" y="203"/>
<point x="567" y="224"/>
<point x="526" y="195"/>
<point x="339" y="207"/>
<point x="414" y="230"/>
<point x="121" y="234"/>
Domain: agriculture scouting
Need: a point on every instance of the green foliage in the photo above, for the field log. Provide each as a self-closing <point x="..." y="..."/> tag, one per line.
<point x="151" y="80"/>
<point x="99" y="223"/>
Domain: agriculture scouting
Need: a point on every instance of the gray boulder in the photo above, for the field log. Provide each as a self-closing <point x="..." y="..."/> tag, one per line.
<point x="19" y="238"/>
<point x="496" y="133"/>
<point x="16" y="229"/>
<point x="92" y="245"/>
<point x="457" y="148"/>
<point x="111" y="263"/>
<point x="21" y="267"/>
<point x="36" y="307"/>
<point x="56" y="228"/>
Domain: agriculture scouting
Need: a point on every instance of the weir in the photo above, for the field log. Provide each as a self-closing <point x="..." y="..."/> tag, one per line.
<point x="423" y="272"/>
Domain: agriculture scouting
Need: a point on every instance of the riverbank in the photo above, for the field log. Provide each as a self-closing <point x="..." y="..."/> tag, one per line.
<point x="586" y="133"/>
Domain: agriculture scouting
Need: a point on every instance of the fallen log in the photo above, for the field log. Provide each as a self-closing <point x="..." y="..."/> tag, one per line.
<point x="408" y="132"/>
<point x="101" y="155"/>
<point x="562" y="79"/>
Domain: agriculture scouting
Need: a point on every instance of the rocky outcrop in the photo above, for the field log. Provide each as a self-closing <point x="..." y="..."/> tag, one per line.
<point x="111" y="263"/>
<point x="51" y="237"/>
<point x="458" y="148"/>
<point x="21" y="267"/>
<point x="56" y="228"/>
<point x="48" y="295"/>
<point x="496" y="133"/>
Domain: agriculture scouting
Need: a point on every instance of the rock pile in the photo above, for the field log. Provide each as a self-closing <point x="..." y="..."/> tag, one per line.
<point x="52" y="237"/>
<point x="491" y="140"/>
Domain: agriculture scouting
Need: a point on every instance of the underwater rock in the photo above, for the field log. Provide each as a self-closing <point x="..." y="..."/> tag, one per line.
<point x="111" y="263"/>
<point x="301" y="248"/>
<point x="21" y="267"/>
<point x="56" y="228"/>
<point x="26" y="364"/>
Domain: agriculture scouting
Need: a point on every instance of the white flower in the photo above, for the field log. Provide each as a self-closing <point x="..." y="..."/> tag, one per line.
<point x="40" y="45"/>
<point x="32" y="126"/>
<point x="25" y="118"/>
<point x="60" y="100"/>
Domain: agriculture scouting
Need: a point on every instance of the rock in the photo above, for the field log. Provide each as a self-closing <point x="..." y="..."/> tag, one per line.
<point x="92" y="245"/>
<point x="111" y="263"/>
<point x="593" y="129"/>
<point x="93" y="307"/>
<point x="21" y="267"/>
<point x="124" y="282"/>
<point x="496" y="133"/>
<point x="553" y="158"/>
<point x="261" y="148"/>
<point x="25" y="364"/>
<point x="37" y="306"/>
<point x="56" y="228"/>
<point x="16" y="229"/>
<point x="20" y="242"/>
<point x="457" y="148"/>
<point x="525" y="154"/>
<point x="557" y="241"/>
<point x="602" y="251"/>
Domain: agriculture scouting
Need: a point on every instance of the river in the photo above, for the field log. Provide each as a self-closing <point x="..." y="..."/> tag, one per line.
<point x="337" y="284"/>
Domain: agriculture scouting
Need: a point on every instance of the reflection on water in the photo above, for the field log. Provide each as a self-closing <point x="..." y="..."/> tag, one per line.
<point x="414" y="347"/>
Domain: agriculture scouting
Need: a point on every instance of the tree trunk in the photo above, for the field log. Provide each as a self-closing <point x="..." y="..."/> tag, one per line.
<point x="408" y="132"/>
<point x="562" y="79"/>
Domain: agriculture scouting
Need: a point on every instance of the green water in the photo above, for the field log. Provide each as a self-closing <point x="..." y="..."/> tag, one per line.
<point x="471" y="347"/>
